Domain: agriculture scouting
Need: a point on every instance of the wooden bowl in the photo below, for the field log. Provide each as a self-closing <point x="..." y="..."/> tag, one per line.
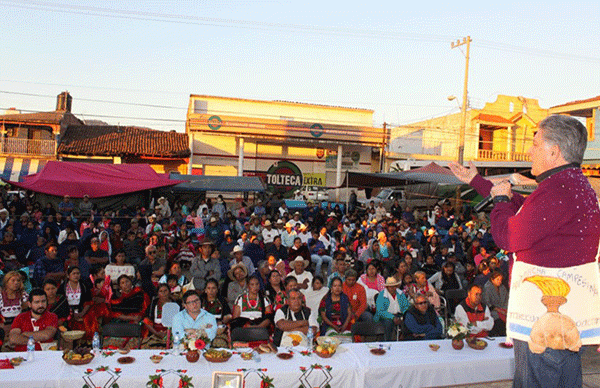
<point x="73" y="335"/>
<point x="324" y="355"/>
<point x="80" y="361"/>
<point x="476" y="343"/>
<point x="217" y="356"/>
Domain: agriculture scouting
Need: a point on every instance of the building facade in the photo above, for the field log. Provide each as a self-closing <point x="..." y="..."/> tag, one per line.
<point x="29" y="140"/>
<point x="588" y="111"/>
<point x="498" y="135"/>
<point x="233" y="136"/>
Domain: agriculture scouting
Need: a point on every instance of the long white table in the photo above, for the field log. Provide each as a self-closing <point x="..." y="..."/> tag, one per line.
<point x="406" y="364"/>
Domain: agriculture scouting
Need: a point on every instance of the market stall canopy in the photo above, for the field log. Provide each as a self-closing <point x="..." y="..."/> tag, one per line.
<point x="432" y="173"/>
<point x="218" y="183"/>
<point x="94" y="179"/>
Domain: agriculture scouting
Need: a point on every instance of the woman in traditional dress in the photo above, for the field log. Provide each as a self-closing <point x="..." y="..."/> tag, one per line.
<point x="252" y="307"/>
<point x="13" y="298"/>
<point x="57" y="303"/>
<point x="335" y="310"/>
<point x="79" y="297"/>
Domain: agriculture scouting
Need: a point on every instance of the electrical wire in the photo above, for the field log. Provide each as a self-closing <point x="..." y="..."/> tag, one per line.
<point x="283" y="27"/>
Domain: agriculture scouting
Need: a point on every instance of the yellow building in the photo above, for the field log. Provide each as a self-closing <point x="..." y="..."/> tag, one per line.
<point x="498" y="135"/>
<point x="233" y="136"/>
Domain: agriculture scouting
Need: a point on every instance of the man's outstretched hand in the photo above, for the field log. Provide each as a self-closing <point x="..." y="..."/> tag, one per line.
<point x="465" y="174"/>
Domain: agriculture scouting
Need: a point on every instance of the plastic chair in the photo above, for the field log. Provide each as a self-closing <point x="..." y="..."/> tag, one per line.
<point x="369" y="329"/>
<point x="169" y="310"/>
<point x="249" y="334"/>
<point x="457" y="295"/>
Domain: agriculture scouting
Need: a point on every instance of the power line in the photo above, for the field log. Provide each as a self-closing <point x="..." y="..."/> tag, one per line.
<point x="283" y="27"/>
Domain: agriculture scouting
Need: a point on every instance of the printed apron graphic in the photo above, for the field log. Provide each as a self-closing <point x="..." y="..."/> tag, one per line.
<point x="556" y="308"/>
<point x="553" y="329"/>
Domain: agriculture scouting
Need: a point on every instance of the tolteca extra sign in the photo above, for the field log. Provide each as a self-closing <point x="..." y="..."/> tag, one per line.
<point x="283" y="177"/>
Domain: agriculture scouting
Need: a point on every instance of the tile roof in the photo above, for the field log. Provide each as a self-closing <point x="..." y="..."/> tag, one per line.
<point x="492" y="119"/>
<point x="597" y="98"/>
<point x="106" y="140"/>
<point x="53" y="117"/>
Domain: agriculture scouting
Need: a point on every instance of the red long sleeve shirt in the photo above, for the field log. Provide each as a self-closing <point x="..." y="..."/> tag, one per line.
<point x="557" y="226"/>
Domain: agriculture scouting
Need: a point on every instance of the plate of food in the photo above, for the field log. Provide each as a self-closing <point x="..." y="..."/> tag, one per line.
<point x="476" y="343"/>
<point x="16" y="361"/>
<point x="125" y="360"/>
<point x="434" y="347"/>
<point x="214" y="355"/>
<point x="247" y="356"/>
<point x="378" y="351"/>
<point x="285" y="356"/>
<point x="78" y="356"/>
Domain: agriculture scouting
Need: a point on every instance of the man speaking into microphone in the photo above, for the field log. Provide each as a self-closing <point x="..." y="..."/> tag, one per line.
<point x="553" y="234"/>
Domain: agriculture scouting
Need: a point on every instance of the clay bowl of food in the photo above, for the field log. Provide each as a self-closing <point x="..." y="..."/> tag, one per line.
<point x="326" y="346"/>
<point x="79" y="356"/>
<point x="213" y="355"/>
<point x="476" y="343"/>
<point x="156" y="358"/>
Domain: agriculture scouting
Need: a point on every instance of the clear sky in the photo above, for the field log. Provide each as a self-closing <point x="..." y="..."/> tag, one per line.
<point x="137" y="62"/>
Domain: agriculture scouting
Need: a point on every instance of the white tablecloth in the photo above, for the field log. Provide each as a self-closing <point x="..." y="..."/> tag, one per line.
<point x="406" y="364"/>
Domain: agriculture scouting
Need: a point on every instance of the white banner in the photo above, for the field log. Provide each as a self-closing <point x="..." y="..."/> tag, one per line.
<point x="554" y="307"/>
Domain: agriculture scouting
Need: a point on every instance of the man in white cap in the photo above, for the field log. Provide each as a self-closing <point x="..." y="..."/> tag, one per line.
<point x="304" y="234"/>
<point x="288" y="236"/>
<point x="268" y="233"/>
<point x="391" y="305"/>
<point x="238" y="257"/>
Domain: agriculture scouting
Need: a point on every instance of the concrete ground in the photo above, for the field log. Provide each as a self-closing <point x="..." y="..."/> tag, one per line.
<point x="591" y="372"/>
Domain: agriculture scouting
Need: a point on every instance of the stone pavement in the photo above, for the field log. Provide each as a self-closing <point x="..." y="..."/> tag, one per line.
<point x="590" y="361"/>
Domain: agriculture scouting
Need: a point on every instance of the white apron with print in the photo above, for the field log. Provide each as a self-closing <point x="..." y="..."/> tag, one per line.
<point x="557" y="308"/>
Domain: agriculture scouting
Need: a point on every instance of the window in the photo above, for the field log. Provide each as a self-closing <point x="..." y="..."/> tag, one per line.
<point x="200" y="106"/>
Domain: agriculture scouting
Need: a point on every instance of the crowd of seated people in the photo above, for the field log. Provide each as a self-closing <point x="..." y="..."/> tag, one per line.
<point x="250" y="267"/>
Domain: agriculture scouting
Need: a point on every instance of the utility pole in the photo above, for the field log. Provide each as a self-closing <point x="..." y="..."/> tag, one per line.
<point x="382" y="151"/>
<point x="463" y="118"/>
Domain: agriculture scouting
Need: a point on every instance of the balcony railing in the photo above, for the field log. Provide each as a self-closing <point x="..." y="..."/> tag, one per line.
<point x="27" y="147"/>
<point x="503" y="156"/>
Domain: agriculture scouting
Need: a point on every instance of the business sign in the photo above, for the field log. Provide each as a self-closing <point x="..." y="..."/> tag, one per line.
<point x="316" y="130"/>
<point x="284" y="177"/>
<point x="314" y="179"/>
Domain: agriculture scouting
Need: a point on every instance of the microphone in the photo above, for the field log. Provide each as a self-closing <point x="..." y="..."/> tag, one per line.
<point x="487" y="200"/>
